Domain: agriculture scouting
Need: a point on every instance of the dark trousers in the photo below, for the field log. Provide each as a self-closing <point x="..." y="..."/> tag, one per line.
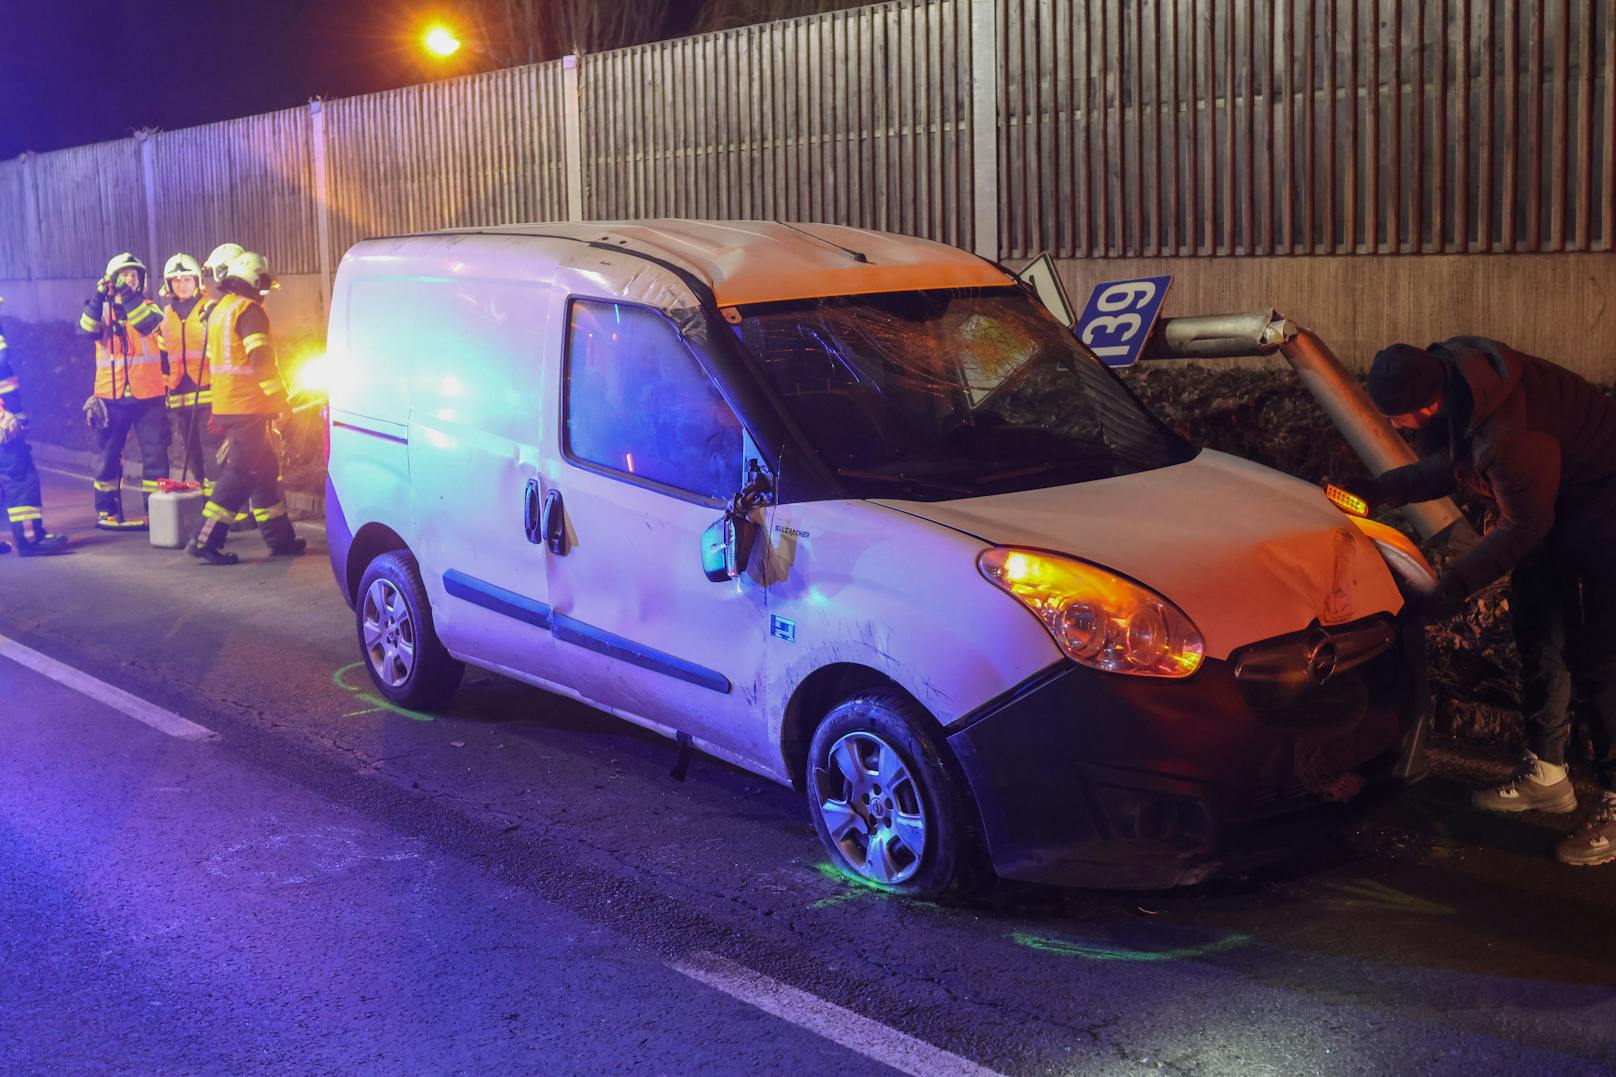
<point x="252" y="474"/>
<point x="19" y="489"/>
<point x="199" y="445"/>
<point x="1564" y="618"/>
<point x="147" y="418"/>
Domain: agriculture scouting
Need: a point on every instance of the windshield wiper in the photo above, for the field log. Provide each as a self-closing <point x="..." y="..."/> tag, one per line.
<point x="1037" y="469"/>
<point x="901" y="479"/>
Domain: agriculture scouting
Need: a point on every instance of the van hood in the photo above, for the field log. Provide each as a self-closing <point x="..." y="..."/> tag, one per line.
<point x="1246" y="552"/>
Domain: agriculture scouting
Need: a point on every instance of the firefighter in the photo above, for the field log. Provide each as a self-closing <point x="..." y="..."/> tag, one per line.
<point x="1541" y="443"/>
<point x="129" y="386"/>
<point x="248" y="396"/>
<point x="19" y="479"/>
<point x="190" y="395"/>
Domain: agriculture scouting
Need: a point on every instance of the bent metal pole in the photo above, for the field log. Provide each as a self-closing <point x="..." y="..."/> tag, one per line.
<point x="1338" y="393"/>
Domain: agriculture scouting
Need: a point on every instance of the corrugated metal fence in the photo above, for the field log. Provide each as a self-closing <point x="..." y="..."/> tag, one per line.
<point x="858" y="117"/>
<point x="1146" y="127"/>
<point x="1121" y="128"/>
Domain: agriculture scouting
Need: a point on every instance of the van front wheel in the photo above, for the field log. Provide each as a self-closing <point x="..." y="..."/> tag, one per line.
<point x="890" y="803"/>
<point x="406" y="662"/>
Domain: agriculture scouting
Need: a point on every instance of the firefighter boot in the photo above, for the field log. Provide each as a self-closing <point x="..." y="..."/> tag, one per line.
<point x="279" y="536"/>
<point x="208" y="546"/>
<point x="42" y="544"/>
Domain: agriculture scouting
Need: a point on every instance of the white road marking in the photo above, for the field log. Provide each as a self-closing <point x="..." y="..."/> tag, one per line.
<point x="871" y="1039"/>
<point x="147" y="713"/>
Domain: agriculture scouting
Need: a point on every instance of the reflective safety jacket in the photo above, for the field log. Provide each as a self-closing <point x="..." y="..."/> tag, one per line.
<point x="184" y="337"/>
<point x="128" y="353"/>
<point x="10" y="388"/>
<point x="246" y="378"/>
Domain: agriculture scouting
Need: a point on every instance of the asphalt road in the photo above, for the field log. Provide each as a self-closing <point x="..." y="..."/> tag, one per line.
<point x="319" y="882"/>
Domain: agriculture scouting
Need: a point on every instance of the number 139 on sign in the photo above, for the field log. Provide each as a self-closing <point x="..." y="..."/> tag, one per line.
<point x="1119" y="316"/>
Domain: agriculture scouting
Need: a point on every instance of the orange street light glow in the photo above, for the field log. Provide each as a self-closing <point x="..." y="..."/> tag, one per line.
<point x="440" y="41"/>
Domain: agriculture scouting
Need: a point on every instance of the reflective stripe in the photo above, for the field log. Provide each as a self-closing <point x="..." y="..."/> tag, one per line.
<point x="207" y="487"/>
<point x="88" y="324"/>
<point x="215" y="511"/>
<point x="276" y="510"/>
<point x="150" y="486"/>
<point x="272" y="386"/>
<point x="254" y="340"/>
<point x="21" y="513"/>
<point x="8" y="385"/>
<point x="105" y="487"/>
<point x="190" y="400"/>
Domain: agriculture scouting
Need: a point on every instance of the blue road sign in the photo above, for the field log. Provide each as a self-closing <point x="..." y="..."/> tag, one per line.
<point x="1119" y="316"/>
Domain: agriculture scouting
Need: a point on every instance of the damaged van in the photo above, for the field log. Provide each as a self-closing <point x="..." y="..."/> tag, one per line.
<point x="853" y="511"/>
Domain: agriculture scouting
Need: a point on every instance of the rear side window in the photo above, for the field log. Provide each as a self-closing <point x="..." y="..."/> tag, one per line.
<point x="638" y="402"/>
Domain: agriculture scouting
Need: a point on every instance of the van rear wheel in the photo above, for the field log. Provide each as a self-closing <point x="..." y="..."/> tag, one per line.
<point x="406" y="662"/>
<point x="890" y="803"/>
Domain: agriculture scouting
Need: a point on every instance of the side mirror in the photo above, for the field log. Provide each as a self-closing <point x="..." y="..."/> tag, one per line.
<point x="726" y="547"/>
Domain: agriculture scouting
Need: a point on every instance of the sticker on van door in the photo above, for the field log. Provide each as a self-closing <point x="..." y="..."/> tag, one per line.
<point x="783" y="628"/>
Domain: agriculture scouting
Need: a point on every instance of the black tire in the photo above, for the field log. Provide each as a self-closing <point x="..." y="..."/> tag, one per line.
<point x="953" y="861"/>
<point x="433" y="675"/>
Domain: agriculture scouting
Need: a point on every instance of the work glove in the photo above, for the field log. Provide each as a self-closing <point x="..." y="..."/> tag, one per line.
<point x="10" y="427"/>
<point x="95" y="413"/>
<point x="1446" y="599"/>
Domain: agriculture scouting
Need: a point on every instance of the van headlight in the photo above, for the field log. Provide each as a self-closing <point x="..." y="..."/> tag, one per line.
<point x="1098" y="618"/>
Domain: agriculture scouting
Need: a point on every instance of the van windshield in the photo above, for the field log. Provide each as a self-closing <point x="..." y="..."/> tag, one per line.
<point x="935" y="395"/>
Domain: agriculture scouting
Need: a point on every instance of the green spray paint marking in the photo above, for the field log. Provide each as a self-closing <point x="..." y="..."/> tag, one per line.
<point x="1063" y="948"/>
<point x="374" y="701"/>
<point x="856" y="886"/>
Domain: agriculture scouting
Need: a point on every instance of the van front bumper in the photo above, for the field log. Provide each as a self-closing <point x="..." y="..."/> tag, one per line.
<point x="1091" y="779"/>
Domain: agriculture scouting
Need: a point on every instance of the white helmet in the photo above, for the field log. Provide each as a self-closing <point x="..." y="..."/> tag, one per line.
<point x="121" y="262"/>
<point x="182" y="265"/>
<point x="249" y="268"/>
<point x="220" y="259"/>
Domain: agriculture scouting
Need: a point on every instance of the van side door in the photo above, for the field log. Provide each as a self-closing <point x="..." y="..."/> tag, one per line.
<point x="649" y="454"/>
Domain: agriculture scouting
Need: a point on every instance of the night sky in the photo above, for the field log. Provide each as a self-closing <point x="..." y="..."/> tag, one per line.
<point x="72" y="71"/>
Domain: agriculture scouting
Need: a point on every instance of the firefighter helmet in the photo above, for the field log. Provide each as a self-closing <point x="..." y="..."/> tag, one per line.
<point x="220" y="260"/>
<point x="182" y="265"/>
<point x="249" y="268"/>
<point x="121" y="262"/>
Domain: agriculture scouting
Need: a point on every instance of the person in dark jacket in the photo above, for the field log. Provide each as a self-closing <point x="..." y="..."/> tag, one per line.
<point x="1541" y="443"/>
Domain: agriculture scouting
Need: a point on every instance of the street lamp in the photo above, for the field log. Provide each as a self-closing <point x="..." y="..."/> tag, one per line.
<point x="440" y="41"/>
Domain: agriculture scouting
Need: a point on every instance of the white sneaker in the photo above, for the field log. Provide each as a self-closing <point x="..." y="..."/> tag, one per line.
<point x="1535" y="786"/>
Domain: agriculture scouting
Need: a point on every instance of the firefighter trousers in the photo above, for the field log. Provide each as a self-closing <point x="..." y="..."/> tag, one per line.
<point x="199" y="445"/>
<point x="251" y="475"/>
<point x="19" y="490"/>
<point x="149" y="422"/>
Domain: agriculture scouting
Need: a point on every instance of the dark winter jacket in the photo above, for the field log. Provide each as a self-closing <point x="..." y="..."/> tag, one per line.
<point x="1532" y="436"/>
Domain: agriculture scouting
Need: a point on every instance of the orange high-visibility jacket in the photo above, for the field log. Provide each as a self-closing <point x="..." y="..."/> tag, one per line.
<point x="129" y="353"/>
<point x="240" y="387"/>
<point x="187" y="367"/>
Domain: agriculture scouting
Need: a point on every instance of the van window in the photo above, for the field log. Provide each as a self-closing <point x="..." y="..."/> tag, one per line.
<point x="638" y="402"/>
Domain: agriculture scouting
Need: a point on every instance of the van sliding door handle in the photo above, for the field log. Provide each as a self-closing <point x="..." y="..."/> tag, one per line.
<point x="553" y="524"/>
<point x="531" y="500"/>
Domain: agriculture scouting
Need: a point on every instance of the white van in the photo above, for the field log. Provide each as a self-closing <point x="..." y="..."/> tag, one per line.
<point x="854" y="512"/>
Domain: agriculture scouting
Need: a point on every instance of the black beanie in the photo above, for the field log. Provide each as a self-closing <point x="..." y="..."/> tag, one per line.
<point x="1404" y="379"/>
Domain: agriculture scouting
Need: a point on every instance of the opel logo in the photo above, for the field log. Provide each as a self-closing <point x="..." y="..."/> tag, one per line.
<point x="1321" y="656"/>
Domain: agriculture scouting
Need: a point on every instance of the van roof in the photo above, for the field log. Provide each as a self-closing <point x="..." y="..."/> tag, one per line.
<point x="768" y="261"/>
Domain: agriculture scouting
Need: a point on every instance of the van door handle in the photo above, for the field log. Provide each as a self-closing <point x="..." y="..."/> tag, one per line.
<point x="553" y="523"/>
<point x="531" y="499"/>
